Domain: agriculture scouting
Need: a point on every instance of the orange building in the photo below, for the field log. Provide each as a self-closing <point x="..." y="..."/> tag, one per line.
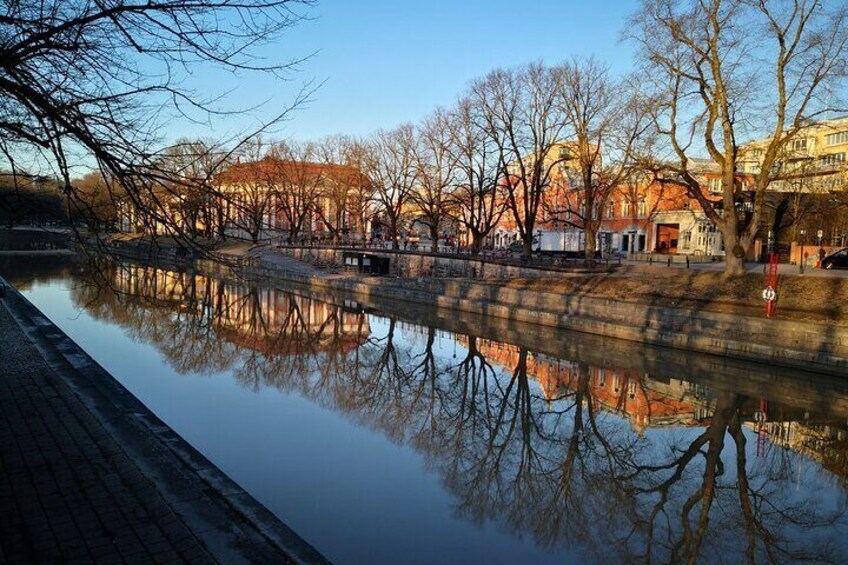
<point x="641" y="216"/>
<point x="642" y="400"/>
<point x="294" y="196"/>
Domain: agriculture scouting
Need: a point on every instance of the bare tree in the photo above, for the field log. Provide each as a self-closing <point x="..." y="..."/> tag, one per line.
<point x="476" y="200"/>
<point x="194" y="164"/>
<point x="361" y="194"/>
<point x="390" y="164"/>
<point x="345" y="189"/>
<point x="90" y="80"/>
<point x="436" y="168"/>
<point x="249" y="189"/>
<point x="296" y="181"/>
<point x="608" y="122"/>
<point x="523" y="117"/>
<point x="726" y="69"/>
<point x="92" y="203"/>
<point x="335" y="190"/>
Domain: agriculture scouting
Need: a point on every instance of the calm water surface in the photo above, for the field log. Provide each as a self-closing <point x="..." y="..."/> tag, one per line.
<point x="384" y="433"/>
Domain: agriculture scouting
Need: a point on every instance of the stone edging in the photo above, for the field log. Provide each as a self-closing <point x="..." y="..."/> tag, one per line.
<point x="230" y="523"/>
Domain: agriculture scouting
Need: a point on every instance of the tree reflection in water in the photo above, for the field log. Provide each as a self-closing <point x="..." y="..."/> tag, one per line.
<point x="620" y="465"/>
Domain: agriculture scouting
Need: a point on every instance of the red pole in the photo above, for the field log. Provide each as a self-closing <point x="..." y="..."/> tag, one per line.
<point x="771" y="285"/>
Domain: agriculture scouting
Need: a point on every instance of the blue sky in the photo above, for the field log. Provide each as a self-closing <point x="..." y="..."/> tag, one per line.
<point x="385" y="62"/>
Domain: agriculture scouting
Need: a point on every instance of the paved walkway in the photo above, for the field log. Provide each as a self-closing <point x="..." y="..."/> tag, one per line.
<point x="87" y="474"/>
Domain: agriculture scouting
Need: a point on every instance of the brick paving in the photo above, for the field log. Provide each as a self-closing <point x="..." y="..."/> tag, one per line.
<point x="74" y="490"/>
<point x="67" y="490"/>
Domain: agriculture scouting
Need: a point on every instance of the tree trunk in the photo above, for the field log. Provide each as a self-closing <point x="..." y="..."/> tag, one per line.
<point x="590" y="245"/>
<point x="434" y="237"/>
<point x="393" y="233"/>
<point x="527" y="248"/>
<point x="736" y="250"/>
<point x="476" y="244"/>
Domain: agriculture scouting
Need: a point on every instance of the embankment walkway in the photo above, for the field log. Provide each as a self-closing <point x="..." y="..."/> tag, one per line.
<point x="88" y="474"/>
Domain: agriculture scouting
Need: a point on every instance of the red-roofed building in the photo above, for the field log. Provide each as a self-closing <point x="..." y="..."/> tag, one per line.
<point x="295" y="200"/>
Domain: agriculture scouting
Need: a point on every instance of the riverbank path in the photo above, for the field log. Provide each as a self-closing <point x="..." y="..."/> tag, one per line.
<point x="88" y="475"/>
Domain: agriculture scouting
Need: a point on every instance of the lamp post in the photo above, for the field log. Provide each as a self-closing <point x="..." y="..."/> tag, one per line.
<point x="802" y="262"/>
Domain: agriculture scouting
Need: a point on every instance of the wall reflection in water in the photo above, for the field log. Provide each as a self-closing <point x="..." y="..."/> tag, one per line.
<point x="587" y="453"/>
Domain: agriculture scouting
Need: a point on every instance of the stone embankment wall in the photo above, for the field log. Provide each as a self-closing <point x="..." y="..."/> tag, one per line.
<point x="821" y="347"/>
<point x="411" y="264"/>
<point x="812" y="346"/>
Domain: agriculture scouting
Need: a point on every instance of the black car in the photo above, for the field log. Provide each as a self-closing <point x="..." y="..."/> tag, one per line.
<point x="838" y="260"/>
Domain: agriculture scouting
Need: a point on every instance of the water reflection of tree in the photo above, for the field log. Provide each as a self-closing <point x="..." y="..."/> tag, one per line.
<point x="680" y="493"/>
<point x="562" y="469"/>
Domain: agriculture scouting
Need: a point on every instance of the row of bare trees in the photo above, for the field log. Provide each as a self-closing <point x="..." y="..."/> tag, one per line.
<point x="711" y="75"/>
<point x="499" y="152"/>
<point x="495" y="155"/>
<point x="84" y="81"/>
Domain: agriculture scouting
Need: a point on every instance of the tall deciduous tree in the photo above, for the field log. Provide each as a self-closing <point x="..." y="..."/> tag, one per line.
<point x="361" y="197"/>
<point x="476" y="200"/>
<point x="249" y="187"/>
<point x="725" y="70"/>
<point x="436" y="169"/>
<point x="295" y="179"/>
<point x="193" y="163"/>
<point x="607" y="123"/>
<point x="390" y="164"/>
<point x="523" y="117"/>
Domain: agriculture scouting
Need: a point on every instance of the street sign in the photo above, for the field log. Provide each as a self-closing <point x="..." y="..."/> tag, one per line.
<point x="769" y="294"/>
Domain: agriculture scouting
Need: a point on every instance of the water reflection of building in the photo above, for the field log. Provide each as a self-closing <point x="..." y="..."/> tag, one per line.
<point x="652" y="402"/>
<point x="821" y="440"/>
<point x="268" y="320"/>
<point x="645" y="402"/>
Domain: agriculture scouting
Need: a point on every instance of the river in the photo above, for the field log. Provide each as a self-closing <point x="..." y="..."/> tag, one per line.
<point x="388" y="433"/>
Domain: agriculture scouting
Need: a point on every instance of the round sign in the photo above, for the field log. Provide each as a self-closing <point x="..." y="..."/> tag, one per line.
<point x="769" y="294"/>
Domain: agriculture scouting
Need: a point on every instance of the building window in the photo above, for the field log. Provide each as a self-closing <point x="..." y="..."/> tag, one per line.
<point x="625" y="208"/>
<point x="685" y="239"/>
<point x="799" y="144"/>
<point x="832" y="159"/>
<point x="714" y="185"/>
<point x="611" y="211"/>
<point x="642" y="208"/>
<point x="836" y="138"/>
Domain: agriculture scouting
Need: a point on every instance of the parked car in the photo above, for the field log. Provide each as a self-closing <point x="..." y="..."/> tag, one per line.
<point x="838" y="260"/>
